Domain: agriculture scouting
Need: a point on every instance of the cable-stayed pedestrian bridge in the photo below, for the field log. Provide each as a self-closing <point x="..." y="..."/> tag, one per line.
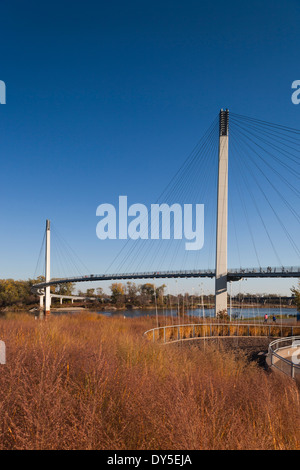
<point x="251" y="200"/>
<point x="232" y="275"/>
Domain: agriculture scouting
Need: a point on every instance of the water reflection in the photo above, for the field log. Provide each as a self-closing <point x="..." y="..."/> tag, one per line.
<point x="236" y="313"/>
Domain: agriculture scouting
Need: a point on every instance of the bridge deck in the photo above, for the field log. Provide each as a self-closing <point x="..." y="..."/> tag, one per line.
<point x="232" y="275"/>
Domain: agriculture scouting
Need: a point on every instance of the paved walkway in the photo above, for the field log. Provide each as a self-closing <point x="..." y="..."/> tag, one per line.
<point x="287" y="353"/>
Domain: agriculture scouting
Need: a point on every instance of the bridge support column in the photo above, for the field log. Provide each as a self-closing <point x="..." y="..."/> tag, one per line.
<point x="60" y="301"/>
<point x="222" y="216"/>
<point x="41" y="301"/>
<point x="47" y="273"/>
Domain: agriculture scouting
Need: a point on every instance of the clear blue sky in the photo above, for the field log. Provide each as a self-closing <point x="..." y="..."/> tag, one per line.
<point x="108" y="98"/>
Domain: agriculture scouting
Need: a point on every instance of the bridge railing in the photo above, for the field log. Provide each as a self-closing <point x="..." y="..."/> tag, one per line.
<point x="265" y="270"/>
<point x="281" y="269"/>
<point x="154" y="273"/>
<point x="233" y="274"/>
<point x="173" y="333"/>
<point x="282" y="347"/>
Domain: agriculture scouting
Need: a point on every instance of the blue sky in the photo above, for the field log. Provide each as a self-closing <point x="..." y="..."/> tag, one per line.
<point x="108" y="98"/>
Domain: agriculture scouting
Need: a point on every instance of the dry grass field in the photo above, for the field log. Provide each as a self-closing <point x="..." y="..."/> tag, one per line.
<point x="90" y="382"/>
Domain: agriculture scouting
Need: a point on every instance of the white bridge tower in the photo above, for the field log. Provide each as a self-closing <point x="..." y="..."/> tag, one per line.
<point x="222" y="217"/>
<point x="47" y="270"/>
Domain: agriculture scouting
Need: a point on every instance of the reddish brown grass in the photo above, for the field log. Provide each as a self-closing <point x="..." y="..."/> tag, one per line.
<point x="90" y="382"/>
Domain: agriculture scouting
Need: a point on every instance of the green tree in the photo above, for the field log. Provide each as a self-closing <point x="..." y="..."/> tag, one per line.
<point x="117" y="293"/>
<point x="296" y="292"/>
<point x="160" y="294"/>
<point x="65" y="289"/>
<point x="16" y="292"/>
<point x="90" y="292"/>
<point x="147" y="293"/>
<point x="132" y="292"/>
<point x="100" y="293"/>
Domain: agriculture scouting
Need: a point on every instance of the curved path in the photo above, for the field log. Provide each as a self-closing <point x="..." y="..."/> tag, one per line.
<point x="284" y="356"/>
<point x="173" y="333"/>
<point x="283" y="353"/>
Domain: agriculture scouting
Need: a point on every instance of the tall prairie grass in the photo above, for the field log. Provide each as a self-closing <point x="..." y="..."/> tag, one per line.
<point x="91" y="382"/>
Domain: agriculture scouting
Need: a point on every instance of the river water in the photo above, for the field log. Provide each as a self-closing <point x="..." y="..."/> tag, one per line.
<point x="236" y="313"/>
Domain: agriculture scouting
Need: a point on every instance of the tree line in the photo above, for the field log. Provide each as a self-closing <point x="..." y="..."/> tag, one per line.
<point x="18" y="294"/>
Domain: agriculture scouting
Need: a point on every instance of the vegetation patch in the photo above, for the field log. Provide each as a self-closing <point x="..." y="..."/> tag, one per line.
<point x="90" y="382"/>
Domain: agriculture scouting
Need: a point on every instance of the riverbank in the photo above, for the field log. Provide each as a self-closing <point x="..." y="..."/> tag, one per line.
<point x="112" y="307"/>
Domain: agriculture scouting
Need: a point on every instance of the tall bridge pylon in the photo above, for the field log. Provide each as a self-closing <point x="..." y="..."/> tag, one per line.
<point x="47" y="269"/>
<point x="261" y="136"/>
<point x="222" y="217"/>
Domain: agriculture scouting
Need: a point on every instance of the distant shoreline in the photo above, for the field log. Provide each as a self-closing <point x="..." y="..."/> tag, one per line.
<point x="113" y="308"/>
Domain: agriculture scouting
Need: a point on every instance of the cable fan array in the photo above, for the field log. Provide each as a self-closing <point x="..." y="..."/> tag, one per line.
<point x="263" y="206"/>
<point x="263" y="202"/>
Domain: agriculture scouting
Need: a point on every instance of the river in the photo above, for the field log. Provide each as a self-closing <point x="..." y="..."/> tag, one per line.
<point x="236" y="313"/>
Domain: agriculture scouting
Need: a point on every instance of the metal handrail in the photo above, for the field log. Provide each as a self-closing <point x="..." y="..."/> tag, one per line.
<point x="292" y="367"/>
<point x="163" y="329"/>
<point x="238" y="272"/>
